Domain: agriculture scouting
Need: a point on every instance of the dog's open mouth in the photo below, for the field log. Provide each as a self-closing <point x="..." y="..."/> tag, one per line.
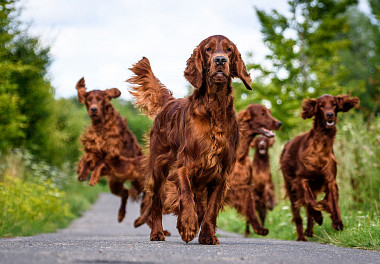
<point x="330" y="123"/>
<point x="219" y="73"/>
<point x="262" y="151"/>
<point x="266" y="132"/>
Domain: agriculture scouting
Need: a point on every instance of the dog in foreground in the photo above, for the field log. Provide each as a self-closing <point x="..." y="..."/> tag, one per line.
<point x="255" y="120"/>
<point x="309" y="167"/>
<point x="110" y="148"/>
<point x="193" y="140"/>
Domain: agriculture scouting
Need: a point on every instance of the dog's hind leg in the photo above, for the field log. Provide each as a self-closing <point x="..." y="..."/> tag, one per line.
<point x="117" y="188"/>
<point x="252" y="216"/>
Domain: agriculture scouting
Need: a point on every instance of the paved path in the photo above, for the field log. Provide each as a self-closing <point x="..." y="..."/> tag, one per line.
<point x="98" y="238"/>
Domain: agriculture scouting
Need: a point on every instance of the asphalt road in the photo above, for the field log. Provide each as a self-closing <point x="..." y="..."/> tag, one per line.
<point x="98" y="238"/>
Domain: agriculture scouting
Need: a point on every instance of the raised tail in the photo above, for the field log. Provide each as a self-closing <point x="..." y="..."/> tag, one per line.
<point x="150" y="94"/>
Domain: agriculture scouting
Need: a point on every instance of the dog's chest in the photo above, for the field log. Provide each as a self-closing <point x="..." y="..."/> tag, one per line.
<point x="318" y="158"/>
<point x="213" y="149"/>
<point x="241" y="175"/>
<point x="99" y="142"/>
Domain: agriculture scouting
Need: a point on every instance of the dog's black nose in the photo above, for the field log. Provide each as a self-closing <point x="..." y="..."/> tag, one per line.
<point x="278" y="124"/>
<point x="93" y="109"/>
<point x="330" y="114"/>
<point x="220" y="60"/>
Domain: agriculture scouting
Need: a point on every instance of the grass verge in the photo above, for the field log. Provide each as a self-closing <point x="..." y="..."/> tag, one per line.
<point x="36" y="197"/>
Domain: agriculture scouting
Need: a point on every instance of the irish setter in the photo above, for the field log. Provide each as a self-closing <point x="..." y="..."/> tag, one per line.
<point x="256" y="119"/>
<point x="309" y="167"/>
<point x="110" y="148"/>
<point x="263" y="187"/>
<point x="193" y="140"/>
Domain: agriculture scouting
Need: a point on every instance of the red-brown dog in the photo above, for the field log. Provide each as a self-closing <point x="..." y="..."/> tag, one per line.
<point x="263" y="187"/>
<point x="255" y="120"/>
<point x="193" y="140"/>
<point x="110" y="148"/>
<point x="308" y="163"/>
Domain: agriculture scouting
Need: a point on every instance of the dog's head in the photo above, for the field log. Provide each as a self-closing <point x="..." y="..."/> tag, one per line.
<point x="96" y="100"/>
<point x="262" y="144"/>
<point x="216" y="60"/>
<point x="326" y="108"/>
<point x="257" y="119"/>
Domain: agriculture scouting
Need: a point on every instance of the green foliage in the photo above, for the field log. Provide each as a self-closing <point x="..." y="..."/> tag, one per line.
<point x="26" y="206"/>
<point x="25" y="92"/>
<point x="358" y="155"/>
<point x="304" y="59"/>
<point x="138" y="123"/>
<point x="36" y="197"/>
<point x="67" y="121"/>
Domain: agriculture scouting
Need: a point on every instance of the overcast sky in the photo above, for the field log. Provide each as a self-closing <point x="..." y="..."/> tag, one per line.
<point x="101" y="39"/>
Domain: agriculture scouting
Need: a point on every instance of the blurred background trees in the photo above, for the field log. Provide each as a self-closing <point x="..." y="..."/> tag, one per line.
<point x="321" y="46"/>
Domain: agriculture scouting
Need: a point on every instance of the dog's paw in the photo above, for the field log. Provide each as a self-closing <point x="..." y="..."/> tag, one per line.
<point x="208" y="240"/>
<point x="121" y="215"/>
<point x="159" y="236"/>
<point x="167" y="233"/>
<point x="337" y="225"/>
<point x="309" y="232"/>
<point x="81" y="178"/>
<point x="187" y="225"/>
<point x="262" y="231"/>
<point x="301" y="238"/>
<point x="92" y="182"/>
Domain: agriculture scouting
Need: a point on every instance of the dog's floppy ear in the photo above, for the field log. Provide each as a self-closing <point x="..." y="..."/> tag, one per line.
<point x="254" y="142"/>
<point x="81" y="88"/>
<point x="239" y="70"/>
<point x="345" y="102"/>
<point x="270" y="142"/>
<point x="308" y="108"/>
<point x="112" y="93"/>
<point x="194" y="68"/>
<point x="244" y="116"/>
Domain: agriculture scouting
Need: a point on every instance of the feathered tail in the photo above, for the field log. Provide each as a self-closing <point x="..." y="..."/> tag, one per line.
<point x="150" y="94"/>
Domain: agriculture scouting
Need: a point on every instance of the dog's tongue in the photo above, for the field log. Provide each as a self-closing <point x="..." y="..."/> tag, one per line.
<point x="266" y="132"/>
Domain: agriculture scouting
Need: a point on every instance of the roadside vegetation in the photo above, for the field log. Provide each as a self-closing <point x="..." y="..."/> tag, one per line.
<point x="39" y="145"/>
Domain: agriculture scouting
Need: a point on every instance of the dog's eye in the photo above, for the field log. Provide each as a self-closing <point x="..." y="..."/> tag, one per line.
<point x="208" y="49"/>
<point x="263" y="113"/>
<point x="99" y="99"/>
<point x="229" y="49"/>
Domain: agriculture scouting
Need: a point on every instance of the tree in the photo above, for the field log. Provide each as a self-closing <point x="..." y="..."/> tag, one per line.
<point x="304" y="59"/>
<point x="26" y="95"/>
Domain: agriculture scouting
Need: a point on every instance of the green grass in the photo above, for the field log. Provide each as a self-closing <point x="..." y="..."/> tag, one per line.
<point x="30" y="208"/>
<point x="38" y="198"/>
<point x="358" y="155"/>
<point x="361" y="230"/>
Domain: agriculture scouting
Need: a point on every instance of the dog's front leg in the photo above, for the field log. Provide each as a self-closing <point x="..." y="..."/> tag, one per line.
<point x="96" y="173"/>
<point x="83" y="169"/>
<point x="214" y="202"/>
<point x="187" y="221"/>
<point x="332" y="203"/>
<point x="309" y="196"/>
